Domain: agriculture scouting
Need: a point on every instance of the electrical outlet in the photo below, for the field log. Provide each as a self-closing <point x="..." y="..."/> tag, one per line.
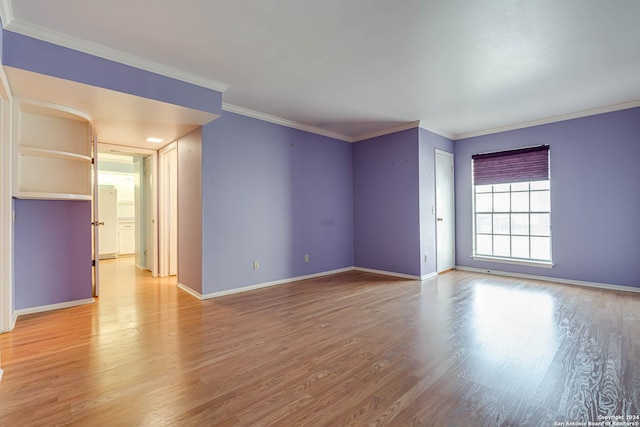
<point x="306" y="258"/>
<point x="426" y="257"/>
<point x="256" y="265"/>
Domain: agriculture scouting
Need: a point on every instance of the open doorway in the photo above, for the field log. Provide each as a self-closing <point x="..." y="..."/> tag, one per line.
<point x="127" y="209"/>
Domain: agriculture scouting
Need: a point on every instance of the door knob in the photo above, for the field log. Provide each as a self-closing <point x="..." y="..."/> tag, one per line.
<point x="98" y="223"/>
<point x="440" y="219"/>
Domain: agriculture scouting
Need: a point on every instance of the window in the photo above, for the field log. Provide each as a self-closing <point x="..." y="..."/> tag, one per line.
<point x="512" y="205"/>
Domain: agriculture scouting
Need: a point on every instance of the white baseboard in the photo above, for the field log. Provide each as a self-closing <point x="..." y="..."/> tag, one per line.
<point x="259" y="285"/>
<point x="50" y="307"/>
<point x="429" y="276"/>
<point x="552" y="279"/>
<point x="200" y="296"/>
<point x="14" y="319"/>
<point x="390" y="273"/>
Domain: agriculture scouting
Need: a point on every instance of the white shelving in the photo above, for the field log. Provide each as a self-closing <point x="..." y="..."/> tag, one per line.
<point x="52" y="152"/>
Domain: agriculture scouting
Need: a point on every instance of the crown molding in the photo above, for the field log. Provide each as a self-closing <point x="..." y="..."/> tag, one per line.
<point x="399" y="128"/>
<point x="44" y="34"/>
<point x="554" y="119"/>
<point x="426" y="126"/>
<point x="283" y="122"/>
<point x="6" y="12"/>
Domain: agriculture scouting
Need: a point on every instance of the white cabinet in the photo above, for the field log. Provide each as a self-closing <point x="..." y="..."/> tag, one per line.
<point x="126" y="238"/>
<point x="52" y="155"/>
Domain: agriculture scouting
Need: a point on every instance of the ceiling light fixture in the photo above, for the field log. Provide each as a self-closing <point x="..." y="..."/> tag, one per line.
<point x="156" y="140"/>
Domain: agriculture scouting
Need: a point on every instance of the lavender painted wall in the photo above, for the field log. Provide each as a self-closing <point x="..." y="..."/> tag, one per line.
<point x="386" y="203"/>
<point x="35" y="55"/>
<point x="428" y="143"/>
<point x="594" y="196"/>
<point x="190" y="210"/>
<point x="52" y="244"/>
<point x="273" y="194"/>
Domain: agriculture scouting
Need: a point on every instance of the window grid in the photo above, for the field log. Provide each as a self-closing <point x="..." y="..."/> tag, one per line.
<point x="510" y="190"/>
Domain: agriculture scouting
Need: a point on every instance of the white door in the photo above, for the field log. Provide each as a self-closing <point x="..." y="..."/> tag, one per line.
<point x="108" y="214"/>
<point x="95" y="209"/>
<point x="149" y="220"/>
<point x="445" y="213"/>
<point x="172" y="160"/>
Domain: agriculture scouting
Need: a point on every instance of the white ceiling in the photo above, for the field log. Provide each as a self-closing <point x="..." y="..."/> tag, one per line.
<point x="361" y="66"/>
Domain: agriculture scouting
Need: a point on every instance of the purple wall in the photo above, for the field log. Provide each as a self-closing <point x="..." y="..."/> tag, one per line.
<point x="190" y="210"/>
<point x="30" y="54"/>
<point x="386" y="203"/>
<point x="595" y="199"/>
<point x="52" y="248"/>
<point x="273" y="194"/>
<point x="428" y="142"/>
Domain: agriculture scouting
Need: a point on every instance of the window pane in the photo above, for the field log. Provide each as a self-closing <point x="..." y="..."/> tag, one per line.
<point x="501" y="202"/>
<point x="501" y="187"/>
<point x="541" y="248"/>
<point x="483" y="223"/>
<point x="483" y="202"/>
<point x="520" y="246"/>
<point x="540" y="225"/>
<point x="520" y="186"/>
<point x="520" y="224"/>
<point x="540" y="201"/>
<point x="501" y="246"/>
<point x="501" y="224"/>
<point x="540" y="185"/>
<point x="520" y="202"/>
<point x="483" y="245"/>
<point x="483" y="188"/>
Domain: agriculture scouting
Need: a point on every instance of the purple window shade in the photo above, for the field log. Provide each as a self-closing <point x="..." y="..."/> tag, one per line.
<point x="521" y="165"/>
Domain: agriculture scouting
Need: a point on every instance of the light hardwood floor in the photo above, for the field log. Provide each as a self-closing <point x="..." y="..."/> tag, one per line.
<point x="350" y="349"/>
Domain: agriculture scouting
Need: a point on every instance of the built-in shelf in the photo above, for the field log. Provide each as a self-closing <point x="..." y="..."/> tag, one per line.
<point x="52" y="155"/>
<point x="51" y="196"/>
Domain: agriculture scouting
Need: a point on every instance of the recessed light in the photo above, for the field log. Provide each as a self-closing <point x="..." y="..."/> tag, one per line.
<point x="156" y="140"/>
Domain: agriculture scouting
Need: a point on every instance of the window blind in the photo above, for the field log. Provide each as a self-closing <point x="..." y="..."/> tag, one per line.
<point x="520" y="165"/>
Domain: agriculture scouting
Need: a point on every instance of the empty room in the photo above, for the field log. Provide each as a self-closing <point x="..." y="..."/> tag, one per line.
<point x="376" y="213"/>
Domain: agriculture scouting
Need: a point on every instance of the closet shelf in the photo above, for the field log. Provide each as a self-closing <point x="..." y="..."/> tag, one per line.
<point x="54" y="154"/>
<point x="50" y="196"/>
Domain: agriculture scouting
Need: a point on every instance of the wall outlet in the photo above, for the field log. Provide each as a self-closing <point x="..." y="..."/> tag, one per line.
<point x="306" y="258"/>
<point x="256" y="265"/>
<point x="426" y="257"/>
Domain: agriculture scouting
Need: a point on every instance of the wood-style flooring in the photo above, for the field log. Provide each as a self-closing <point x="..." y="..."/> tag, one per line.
<point x="462" y="349"/>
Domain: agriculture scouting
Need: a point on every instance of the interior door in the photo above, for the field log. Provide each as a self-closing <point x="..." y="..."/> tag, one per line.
<point x="96" y="217"/>
<point x="445" y="214"/>
<point x="149" y="219"/>
<point x="172" y="160"/>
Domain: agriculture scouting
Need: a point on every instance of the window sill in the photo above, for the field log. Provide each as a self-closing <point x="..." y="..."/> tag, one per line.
<point x="542" y="264"/>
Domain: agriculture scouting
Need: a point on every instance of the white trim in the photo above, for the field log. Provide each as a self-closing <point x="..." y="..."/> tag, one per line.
<point x="426" y="126"/>
<point x="190" y="291"/>
<point x="429" y="276"/>
<point x="85" y="46"/>
<point x="388" y="273"/>
<point x="553" y="279"/>
<point x="283" y="122"/>
<point x="6" y="12"/>
<point x="542" y="264"/>
<point x="51" y="307"/>
<point x="260" y="285"/>
<point x="400" y="128"/>
<point x="553" y="119"/>
<point x="1" y="372"/>
<point x="7" y="317"/>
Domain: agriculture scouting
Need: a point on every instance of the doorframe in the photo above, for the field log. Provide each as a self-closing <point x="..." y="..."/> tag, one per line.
<point x="102" y="146"/>
<point x="453" y="204"/>
<point x="7" y="314"/>
<point x="163" y="215"/>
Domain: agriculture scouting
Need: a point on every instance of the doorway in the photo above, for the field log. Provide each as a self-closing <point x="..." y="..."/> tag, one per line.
<point x="127" y="207"/>
<point x="445" y="212"/>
